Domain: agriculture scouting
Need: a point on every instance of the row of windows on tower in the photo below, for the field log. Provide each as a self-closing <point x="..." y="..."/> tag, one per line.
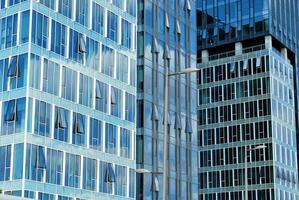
<point x="240" y="195"/>
<point x="234" y="70"/>
<point x="41" y="122"/>
<point x="233" y="155"/>
<point x="256" y="175"/>
<point x="239" y="111"/>
<point x="248" y="88"/>
<point x="54" y="37"/>
<point x="91" y="93"/>
<point x="46" y="165"/>
<point x="235" y="133"/>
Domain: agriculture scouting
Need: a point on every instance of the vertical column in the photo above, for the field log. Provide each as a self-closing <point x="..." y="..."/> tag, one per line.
<point x="87" y="131"/>
<point x="284" y="53"/>
<point x="118" y="141"/>
<point x="119" y="25"/>
<point x="90" y="15"/>
<point x="81" y="171"/>
<point x="74" y="10"/>
<point x="205" y="56"/>
<point x="268" y="42"/>
<point x="238" y="48"/>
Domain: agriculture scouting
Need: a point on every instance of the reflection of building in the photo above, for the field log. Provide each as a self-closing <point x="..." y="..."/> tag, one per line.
<point x="166" y="38"/>
<point x="247" y="97"/>
<point x="67" y="78"/>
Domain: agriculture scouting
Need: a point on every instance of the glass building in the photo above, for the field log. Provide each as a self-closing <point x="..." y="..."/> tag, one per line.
<point x="166" y="37"/>
<point x="67" y="99"/>
<point x="247" y="52"/>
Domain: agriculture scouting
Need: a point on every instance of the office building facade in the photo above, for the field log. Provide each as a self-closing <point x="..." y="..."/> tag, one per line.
<point x="166" y="37"/>
<point x="68" y="90"/>
<point x="247" y="52"/>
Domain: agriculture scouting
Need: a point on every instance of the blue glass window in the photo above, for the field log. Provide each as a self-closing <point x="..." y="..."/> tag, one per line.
<point x="29" y="194"/>
<point x="18" y="161"/>
<point x="98" y="18"/>
<point x="35" y="71"/>
<point x="92" y="54"/>
<point x="112" y="26"/>
<point x="61" y="124"/>
<point x="10" y="114"/>
<point x="122" y="67"/>
<point x="9" y="30"/>
<point x="13" y="116"/>
<point x="64" y="198"/>
<point x="15" y="73"/>
<point x="89" y="174"/>
<point x="101" y="96"/>
<point x="117" y="3"/>
<point x="85" y="90"/>
<point x="130" y="107"/>
<point x="72" y="170"/>
<point x="75" y="46"/>
<point x="126" y="33"/>
<point x="48" y="3"/>
<point x="116" y="102"/>
<point x="40" y="158"/>
<point x="42" y="118"/>
<point x="2" y="4"/>
<point x="125" y="142"/>
<point x="65" y="7"/>
<point x="132" y="177"/>
<point x="69" y="84"/>
<point x="45" y="196"/>
<point x="107" y="61"/>
<point x="106" y="185"/>
<point x="110" y="138"/>
<point x="54" y="166"/>
<point x="13" y="2"/>
<point x="35" y="162"/>
<point x="121" y="180"/>
<point x="58" y="38"/>
<point x="51" y="77"/>
<point x="24" y="32"/>
<point x="82" y="7"/>
<point x="3" y="66"/>
<point x="95" y="134"/>
<point x="40" y="30"/>
<point x="131" y="7"/>
<point x="79" y="136"/>
<point x="5" y="157"/>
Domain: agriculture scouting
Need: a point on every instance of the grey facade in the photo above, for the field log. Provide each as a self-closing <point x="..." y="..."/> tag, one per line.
<point x="247" y="51"/>
<point x="166" y="38"/>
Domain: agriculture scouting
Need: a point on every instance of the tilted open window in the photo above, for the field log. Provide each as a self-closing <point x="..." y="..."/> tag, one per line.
<point x="109" y="174"/>
<point x="99" y="94"/>
<point x="81" y="44"/>
<point x="155" y="184"/>
<point x="11" y="111"/>
<point x="155" y="113"/>
<point x="188" y="128"/>
<point x="79" y="124"/>
<point x="40" y="162"/>
<point x="178" y="122"/>
<point x="61" y="120"/>
<point x="113" y="96"/>
<point x="13" y="67"/>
